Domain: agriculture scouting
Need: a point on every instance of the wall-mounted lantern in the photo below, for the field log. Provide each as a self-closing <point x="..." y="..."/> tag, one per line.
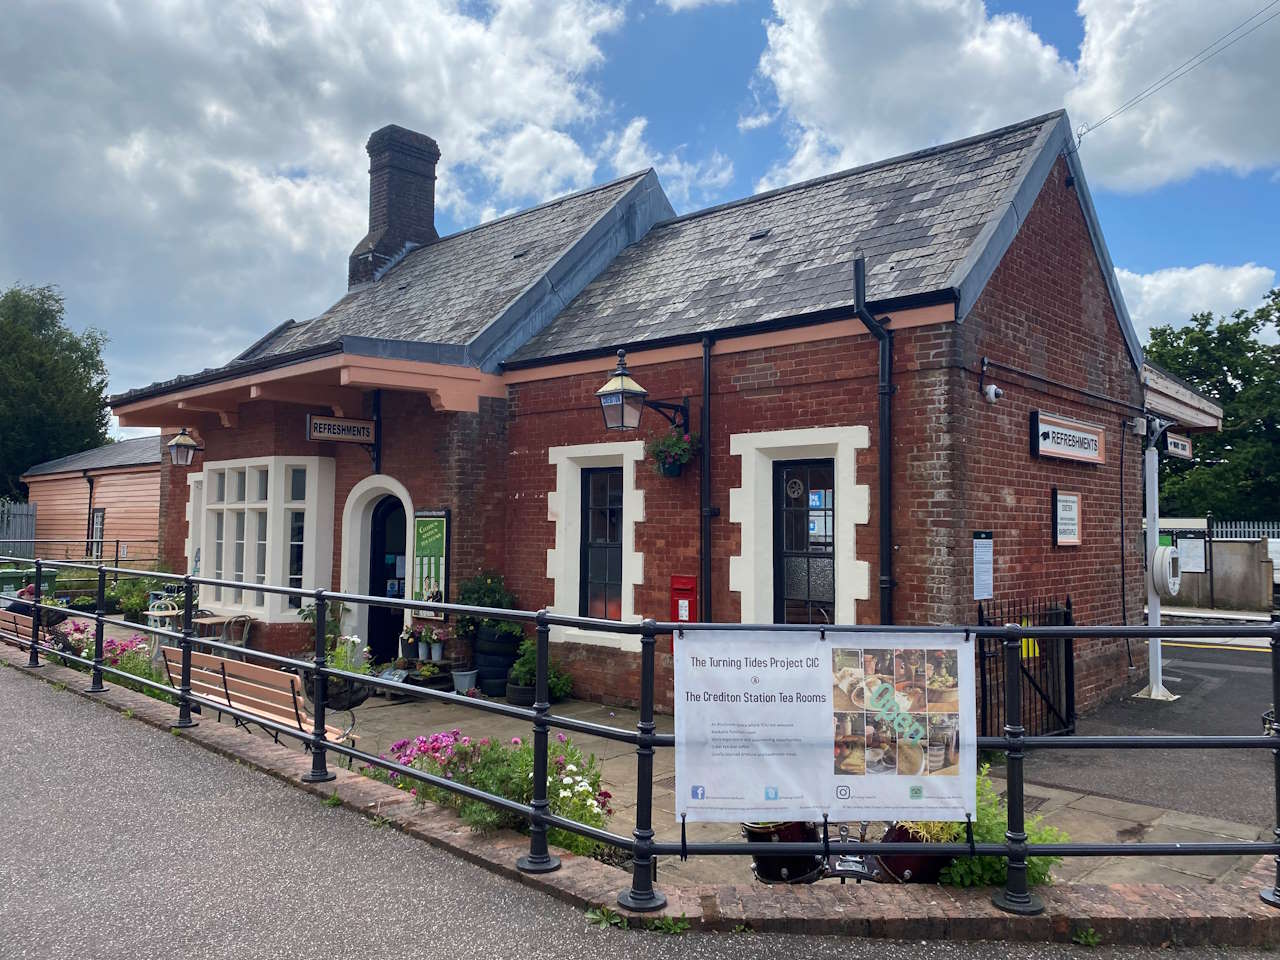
<point x="183" y="449"/>
<point x="622" y="400"/>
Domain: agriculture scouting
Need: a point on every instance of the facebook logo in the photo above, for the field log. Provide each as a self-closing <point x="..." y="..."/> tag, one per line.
<point x="699" y="792"/>
<point x="771" y="793"/>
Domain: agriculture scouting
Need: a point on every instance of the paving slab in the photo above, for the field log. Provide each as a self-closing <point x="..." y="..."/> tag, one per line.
<point x="1119" y="809"/>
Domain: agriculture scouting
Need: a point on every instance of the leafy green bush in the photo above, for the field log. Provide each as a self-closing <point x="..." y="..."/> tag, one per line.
<point x="487" y="589"/>
<point x="332" y="621"/>
<point x="524" y="673"/>
<point x="989" y="827"/>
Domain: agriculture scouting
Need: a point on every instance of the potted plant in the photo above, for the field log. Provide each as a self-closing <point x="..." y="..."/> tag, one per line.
<point x="493" y="643"/>
<point x="437" y="644"/>
<point x="671" y="451"/>
<point x="464" y="681"/>
<point x="523" y="677"/>
<point x="412" y="642"/>
<point x="347" y="654"/>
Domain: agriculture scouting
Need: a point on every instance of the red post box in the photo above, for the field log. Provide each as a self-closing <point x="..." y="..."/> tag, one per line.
<point x="684" y="599"/>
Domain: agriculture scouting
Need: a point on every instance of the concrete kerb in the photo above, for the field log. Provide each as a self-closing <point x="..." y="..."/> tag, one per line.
<point x="1151" y="914"/>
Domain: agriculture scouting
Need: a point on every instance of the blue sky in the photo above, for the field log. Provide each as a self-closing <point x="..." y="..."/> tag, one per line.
<point x="192" y="173"/>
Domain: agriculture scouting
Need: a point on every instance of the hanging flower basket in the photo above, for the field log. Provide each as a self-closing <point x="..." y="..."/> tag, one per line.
<point x="671" y="451"/>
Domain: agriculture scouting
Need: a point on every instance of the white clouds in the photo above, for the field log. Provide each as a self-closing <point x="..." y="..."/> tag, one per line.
<point x="861" y="81"/>
<point x="192" y="173"/>
<point x="1221" y="116"/>
<point x="858" y="81"/>
<point x="675" y="6"/>
<point x="1173" y="295"/>
<point x="538" y="162"/>
<point x="685" y="181"/>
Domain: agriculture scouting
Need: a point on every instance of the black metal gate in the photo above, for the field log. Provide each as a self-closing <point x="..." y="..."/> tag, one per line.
<point x="1047" y="667"/>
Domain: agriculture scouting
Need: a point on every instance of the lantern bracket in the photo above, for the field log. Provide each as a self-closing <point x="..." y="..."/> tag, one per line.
<point x="677" y="414"/>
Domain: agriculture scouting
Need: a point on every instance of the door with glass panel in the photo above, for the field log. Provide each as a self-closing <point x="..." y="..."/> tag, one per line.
<point x="600" y="579"/>
<point x="804" y="514"/>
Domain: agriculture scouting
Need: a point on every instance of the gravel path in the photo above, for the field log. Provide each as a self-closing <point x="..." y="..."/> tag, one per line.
<point x="97" y="811"/>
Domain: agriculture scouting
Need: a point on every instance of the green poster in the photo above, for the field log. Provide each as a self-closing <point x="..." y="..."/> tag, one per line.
<point x="430" y="556"/>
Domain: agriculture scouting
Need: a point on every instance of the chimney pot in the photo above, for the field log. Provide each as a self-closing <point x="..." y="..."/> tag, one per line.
<point x="402" y="188"/>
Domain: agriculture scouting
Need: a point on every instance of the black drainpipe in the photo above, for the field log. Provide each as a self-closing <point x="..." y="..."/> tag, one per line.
<point x="885" y="442"/>
<point x="88" y="520"/>
<point x="705" y="510"/>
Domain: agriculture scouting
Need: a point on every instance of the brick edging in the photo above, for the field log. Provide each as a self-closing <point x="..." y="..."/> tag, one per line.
<point x="1118" y="913"/>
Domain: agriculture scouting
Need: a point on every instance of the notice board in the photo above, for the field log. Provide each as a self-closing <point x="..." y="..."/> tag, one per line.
<point x="430" y="558"/>
<point x="873" y="726"/>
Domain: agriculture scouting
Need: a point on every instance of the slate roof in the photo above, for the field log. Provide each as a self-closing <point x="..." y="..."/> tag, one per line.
<point x="451" y="290"/>
<point x="142" y="451"/>
<point x="791" y="251"/>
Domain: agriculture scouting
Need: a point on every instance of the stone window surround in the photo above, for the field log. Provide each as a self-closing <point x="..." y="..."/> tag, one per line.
<point x="317" y="559"/>
<point x="564" y="509"/>
<point x="751" y="507"/>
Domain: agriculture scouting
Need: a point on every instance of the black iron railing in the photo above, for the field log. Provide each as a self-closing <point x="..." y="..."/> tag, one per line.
<point x="642" y="894"/>
<point x="1047" y="667"/>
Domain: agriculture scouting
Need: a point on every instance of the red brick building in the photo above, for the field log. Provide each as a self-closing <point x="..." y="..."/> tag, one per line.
<point x="478" y="356"/>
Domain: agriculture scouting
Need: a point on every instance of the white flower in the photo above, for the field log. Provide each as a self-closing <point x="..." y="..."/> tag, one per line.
<point x="564" y="794"/>
<point x="583" y="787"/>
<point x="571" y="769"/>
<point x="566" y="780"/>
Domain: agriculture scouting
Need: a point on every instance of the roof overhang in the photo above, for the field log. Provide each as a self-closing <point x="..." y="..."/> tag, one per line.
<point x="1172" y="398"/>
<point x="334" y="378"/>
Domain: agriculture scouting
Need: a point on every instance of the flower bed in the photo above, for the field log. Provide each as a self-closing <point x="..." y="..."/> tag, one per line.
<point x="505" y="769"/>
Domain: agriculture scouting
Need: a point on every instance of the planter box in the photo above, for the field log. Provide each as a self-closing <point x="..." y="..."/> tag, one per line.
<point x="520" y="696"/>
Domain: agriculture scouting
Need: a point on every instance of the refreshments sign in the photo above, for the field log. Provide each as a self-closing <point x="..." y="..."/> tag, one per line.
<point x="1055" y="436"/>
<point x="794" y="727"/>
<point x="339" y="429"/>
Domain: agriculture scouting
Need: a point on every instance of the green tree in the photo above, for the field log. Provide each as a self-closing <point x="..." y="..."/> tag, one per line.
<point x="52" y="384"/>
<point x="1236" y="362"/>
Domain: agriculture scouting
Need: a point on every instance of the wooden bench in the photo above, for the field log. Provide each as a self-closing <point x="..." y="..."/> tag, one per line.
<point x="15" y="628"/>
<point x="261" y="691"/>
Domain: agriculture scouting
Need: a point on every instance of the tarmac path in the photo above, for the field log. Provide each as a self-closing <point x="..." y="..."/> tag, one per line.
<point x="120" y="841"/>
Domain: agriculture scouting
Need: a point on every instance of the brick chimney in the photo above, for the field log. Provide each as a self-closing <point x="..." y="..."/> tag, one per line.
<point x="402" y="199"/>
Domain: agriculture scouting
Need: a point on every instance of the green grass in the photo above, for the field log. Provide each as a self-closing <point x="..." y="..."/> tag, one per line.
<point x="333" y="800"/>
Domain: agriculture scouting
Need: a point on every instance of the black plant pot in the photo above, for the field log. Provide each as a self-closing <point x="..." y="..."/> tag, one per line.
<point x="670" y="469"/>
<point x="342" y="694"/>
<point x="519" y="696"/>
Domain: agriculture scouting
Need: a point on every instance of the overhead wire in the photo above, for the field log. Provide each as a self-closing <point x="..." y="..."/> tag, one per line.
<point x="1201" y="57"/>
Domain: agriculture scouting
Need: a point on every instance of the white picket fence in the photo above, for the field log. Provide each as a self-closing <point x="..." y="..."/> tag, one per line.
<point x="1246" y="529"/>
<point x="17" y="529"/>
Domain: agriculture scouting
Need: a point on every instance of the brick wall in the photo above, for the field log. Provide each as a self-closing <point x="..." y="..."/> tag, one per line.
<point x="172" y="533"/>
<point x="1047" y="311"/>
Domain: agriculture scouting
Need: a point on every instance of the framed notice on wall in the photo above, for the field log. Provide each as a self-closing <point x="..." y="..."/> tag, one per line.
<point x="431" y="558"/>
<point x="984" y="573"/>
<point x="1066" y="518"/>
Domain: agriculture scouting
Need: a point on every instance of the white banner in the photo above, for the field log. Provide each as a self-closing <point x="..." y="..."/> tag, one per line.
<point x="773" y="726"/>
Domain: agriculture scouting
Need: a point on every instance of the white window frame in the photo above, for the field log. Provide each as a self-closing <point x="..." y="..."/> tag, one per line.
<point x="751" y="507"/>
<point x="564" y="508"/>
<point x="317" y="559"/>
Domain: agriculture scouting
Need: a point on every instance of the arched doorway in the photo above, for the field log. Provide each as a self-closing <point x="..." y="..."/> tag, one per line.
<point x="387" y="575"/>
<point x="368" y="496"/>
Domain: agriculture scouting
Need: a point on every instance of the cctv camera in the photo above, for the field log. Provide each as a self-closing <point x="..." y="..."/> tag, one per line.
<point x="992" y="392"/>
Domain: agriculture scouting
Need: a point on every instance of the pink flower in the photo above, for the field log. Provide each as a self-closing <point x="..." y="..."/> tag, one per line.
<point x="561" y="737"/>
<point x="515" y="741"/>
